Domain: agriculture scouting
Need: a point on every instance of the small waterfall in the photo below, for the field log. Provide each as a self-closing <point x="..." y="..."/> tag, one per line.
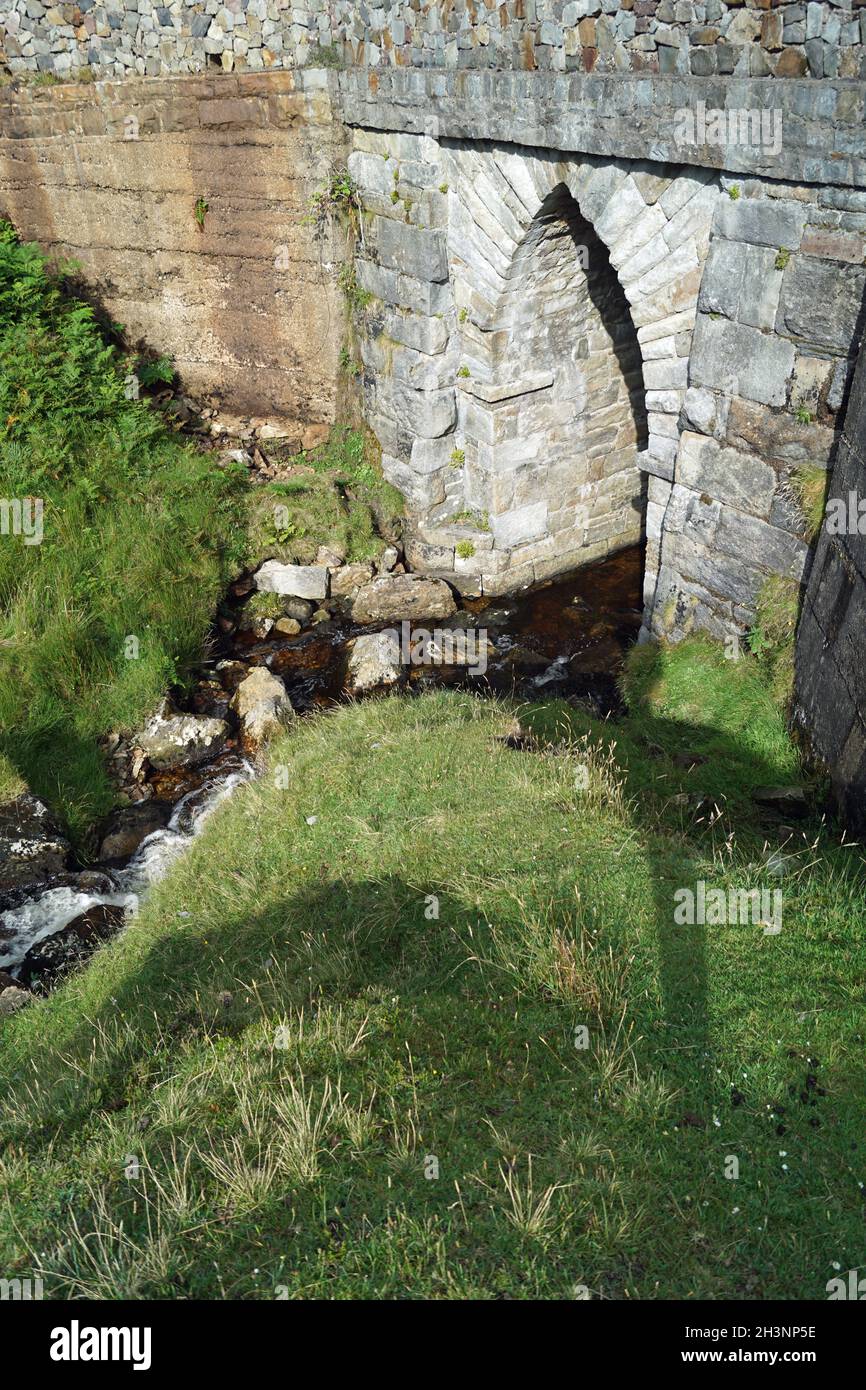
<point x="48" y="912"/>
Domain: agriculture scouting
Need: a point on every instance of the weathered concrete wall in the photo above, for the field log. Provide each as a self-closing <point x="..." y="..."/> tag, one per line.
<point x="759" y="38"/>
<point x="830" y="697"/>
<point x="247" y="306"/>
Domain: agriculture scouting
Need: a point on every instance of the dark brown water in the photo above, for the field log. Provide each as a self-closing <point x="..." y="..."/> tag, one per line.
<point x="567" y="637"/>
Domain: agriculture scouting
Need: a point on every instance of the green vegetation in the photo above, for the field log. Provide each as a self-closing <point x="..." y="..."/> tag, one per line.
<point x="804" y="415"/>
<point x="347" y="279"/>
<point x="140" y="537"/>
<point x="808" y="485"/>
<point x="335" y="494"/>
<point x="782" y="258"/>
<point x="200" y="212"/>
<point x="339" y="198"/>
<point x="773" y="636"/>
<point x="464" y="549"/>
<point x="325" y="56"/>
<point x="734" y="192"/>
<point x="142" y="534"/>
<point x="457" y="458"/>
<point x="344" y="1058"/>
<point x="349" y="364"/>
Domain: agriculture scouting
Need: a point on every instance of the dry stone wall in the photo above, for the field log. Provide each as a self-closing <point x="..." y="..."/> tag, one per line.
<point x="759" y="38"/>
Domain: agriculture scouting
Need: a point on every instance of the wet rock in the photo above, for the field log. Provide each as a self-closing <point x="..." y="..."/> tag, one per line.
<point x="13" y="999"/>
<point x="298" y="608"/>
<point x="231" y="673"/>
<point x="58" y="954"/>
<point x="374" y="660"/>
<point x="130" y="826"/>
<point x="299" y="581"/>
<point x="262" y="706"/>
<point x="519" y="655"/>
<point x="287" y="627"/>
<point x="210" y="698"/>
<point x="95" y="881"/>
<point x="256" y="624"/>
<point x="393" y="597"/>
<point x="171" y="740"/>
<point x="31" y="846"/>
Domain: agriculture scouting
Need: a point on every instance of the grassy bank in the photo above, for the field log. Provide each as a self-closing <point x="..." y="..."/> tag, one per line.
<point x="340" y="1052"/>
<point x="141" y="533"/>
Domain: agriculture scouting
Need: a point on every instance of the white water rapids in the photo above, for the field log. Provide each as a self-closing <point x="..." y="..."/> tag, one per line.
<point x="50" y="911"/>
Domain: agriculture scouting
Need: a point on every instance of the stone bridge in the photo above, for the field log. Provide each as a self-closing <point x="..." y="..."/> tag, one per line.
<point x="607" y="284"/>
<point x="567" y="351"/>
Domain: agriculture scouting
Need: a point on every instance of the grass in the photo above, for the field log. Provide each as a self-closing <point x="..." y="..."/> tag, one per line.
<point x="140" y="538"/>
<point x="807" y="484"/>
<point x="335" y="494"/>
<point x="142" y="534"/>
<point x="445" y="1041"/>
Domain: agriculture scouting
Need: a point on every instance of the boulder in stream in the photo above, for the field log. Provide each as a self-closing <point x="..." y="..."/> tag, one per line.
<point x="129" y="826"/>
<point x="181" y="740"/>
<point x="299" y="581"/>
<point x="58" y="954"/>
<point x="374" y="660"/>
<point x="262" y="705"/>
<point x="393" y="597"/>
<point x="31" y="846"/>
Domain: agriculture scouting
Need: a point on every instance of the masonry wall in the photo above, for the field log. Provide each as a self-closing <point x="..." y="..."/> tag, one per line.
<point x="779" y="322"/>
<point x="246" y="304"/>
<point x="830" y="696"/>
<point x="758" y="38"/>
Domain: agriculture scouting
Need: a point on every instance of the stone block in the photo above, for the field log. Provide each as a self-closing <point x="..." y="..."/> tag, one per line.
<point x="760" y="221"/>
<point x="297" y="581"/>
<point x="739" y="360"/>
<point x="743" y="480"/>
<point x="519" y="526"/>
<point x="821" y="303"/>
<point x="415" y="251"/>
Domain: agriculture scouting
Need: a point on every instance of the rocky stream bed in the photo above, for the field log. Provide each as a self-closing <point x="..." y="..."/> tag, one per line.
<point x="290" y="639"/>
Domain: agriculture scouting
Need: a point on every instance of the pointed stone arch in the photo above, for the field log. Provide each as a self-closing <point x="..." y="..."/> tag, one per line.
<point x="650" y="225"/>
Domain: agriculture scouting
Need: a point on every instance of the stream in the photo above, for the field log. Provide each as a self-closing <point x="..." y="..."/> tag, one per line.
<point x="565" y="639"/>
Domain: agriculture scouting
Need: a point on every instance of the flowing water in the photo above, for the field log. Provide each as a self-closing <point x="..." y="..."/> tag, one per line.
<point x="566" y="639"/>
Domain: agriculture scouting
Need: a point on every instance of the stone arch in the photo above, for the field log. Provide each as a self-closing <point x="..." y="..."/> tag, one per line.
<point x="553" y="414"/>
<point x="444" y="286"/>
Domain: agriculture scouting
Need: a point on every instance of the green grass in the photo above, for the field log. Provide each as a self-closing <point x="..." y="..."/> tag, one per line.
<point x="142" y="534"/>
<point x="335" y="495"/>
<point x="387" y="963"/>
